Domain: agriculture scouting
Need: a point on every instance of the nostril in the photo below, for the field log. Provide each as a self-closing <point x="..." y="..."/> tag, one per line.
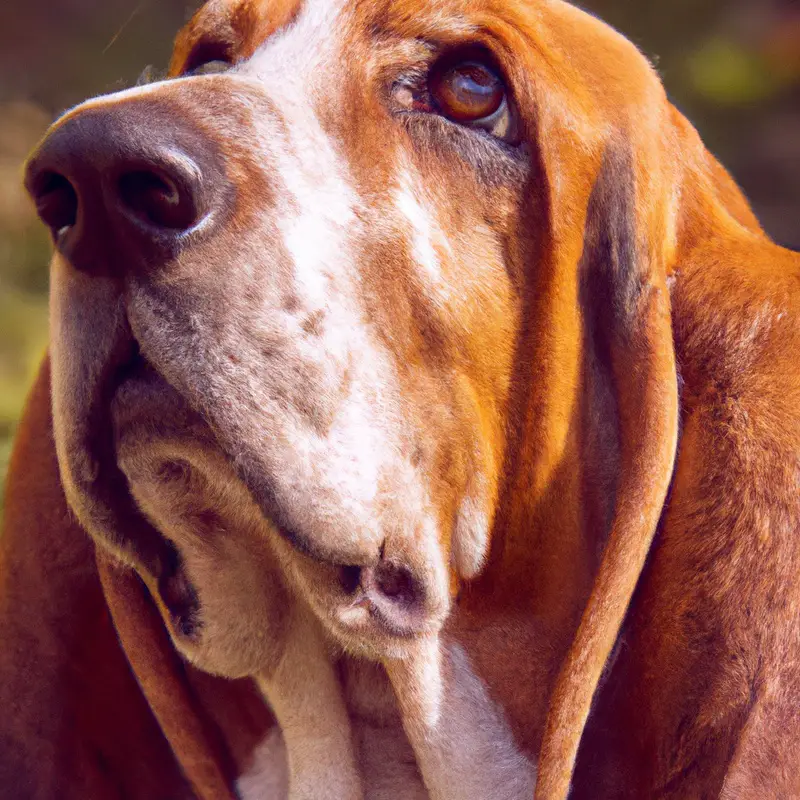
<point x="396" y="584"/>
<point x="157" y="199"/>
<point x="56" y="201"/>
<point x="349" y="578"/>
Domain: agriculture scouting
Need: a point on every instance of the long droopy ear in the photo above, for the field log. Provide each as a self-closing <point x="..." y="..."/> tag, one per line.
<point x="602" y="130"/>
<point x="623" y="270"/>
<point x="605" y="198"/>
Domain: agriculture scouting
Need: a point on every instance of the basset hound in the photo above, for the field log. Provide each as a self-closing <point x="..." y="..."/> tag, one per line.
<point x="427" y="391"/>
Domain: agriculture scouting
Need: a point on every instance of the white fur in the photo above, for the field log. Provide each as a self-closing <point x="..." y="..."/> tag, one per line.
<point x="471" y="536"/>
<point x="307" y="701"/>
<point x="385" y="757"/>
<point x="465" y="749"/>
<point x="310" y="42"/>
<point x="419" y="219"/>
<point x="267" y="777"/>
<point x="428" y="242"/>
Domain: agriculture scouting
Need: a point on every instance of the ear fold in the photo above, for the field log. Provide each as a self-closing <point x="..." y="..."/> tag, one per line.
<point x="623" y="260"/>
<point x="161" y="676"/>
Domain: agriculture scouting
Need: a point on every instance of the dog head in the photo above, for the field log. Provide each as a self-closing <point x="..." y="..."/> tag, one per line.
<point x="293" y="288"/>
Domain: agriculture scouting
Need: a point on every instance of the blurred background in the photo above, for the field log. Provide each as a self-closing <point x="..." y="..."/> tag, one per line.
<point x="733" y="66"/>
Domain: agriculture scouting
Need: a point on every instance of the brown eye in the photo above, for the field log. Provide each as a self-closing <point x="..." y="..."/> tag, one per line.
<point x="467" y="92"/>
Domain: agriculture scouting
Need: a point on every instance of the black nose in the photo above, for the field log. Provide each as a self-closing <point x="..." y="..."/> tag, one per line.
<point x="120" y="182"/>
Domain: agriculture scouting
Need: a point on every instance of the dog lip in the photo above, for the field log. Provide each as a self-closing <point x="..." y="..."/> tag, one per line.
<point x="385" y="605"/>
<point x="96" y="488"/>
<point x="143" y="401"/>
<point x="364" y="617"/>
<point x="139" y="398"/>
<point x="145" y="406"/>
<point x="135" y="366"/>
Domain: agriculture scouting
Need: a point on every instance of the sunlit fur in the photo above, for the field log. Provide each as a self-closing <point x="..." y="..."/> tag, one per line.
<point x="556" y="383"/>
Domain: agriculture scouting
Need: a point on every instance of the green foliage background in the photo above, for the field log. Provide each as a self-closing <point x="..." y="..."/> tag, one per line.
<point x="732" y="65"/>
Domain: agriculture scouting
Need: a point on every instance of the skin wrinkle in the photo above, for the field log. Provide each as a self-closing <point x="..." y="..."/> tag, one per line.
<point x="485" y="413"/>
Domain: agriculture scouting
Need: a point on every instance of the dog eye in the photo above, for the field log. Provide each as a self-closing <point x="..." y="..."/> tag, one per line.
<point x="471" y="93"/>
<point x="467" y="92"/>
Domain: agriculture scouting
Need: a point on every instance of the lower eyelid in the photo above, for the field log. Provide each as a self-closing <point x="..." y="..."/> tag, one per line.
<point x="412" y="99"/>
<point x="453" y="129"/>
<point x="498" y="124"/>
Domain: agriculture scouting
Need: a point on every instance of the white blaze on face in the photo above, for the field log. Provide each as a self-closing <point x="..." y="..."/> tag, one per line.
<point x="311" y="42"/>
<point x="315" y="217"/>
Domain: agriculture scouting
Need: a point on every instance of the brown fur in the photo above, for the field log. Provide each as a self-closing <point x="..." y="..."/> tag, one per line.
<point x="618" y="326"/>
